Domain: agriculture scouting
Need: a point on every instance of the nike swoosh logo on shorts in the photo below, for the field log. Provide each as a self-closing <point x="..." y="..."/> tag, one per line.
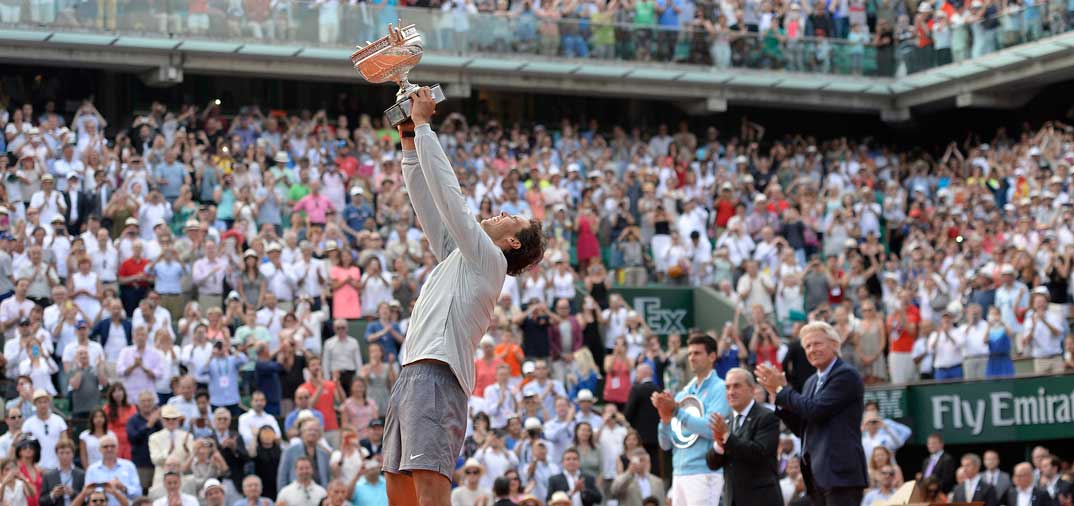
<point x="412" y="457"/>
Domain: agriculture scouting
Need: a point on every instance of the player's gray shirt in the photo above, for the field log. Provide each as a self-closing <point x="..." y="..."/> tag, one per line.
<point x="456" y="301"/>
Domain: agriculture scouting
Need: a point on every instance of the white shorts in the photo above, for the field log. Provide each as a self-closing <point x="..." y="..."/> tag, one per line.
<point x="697" y="489"/>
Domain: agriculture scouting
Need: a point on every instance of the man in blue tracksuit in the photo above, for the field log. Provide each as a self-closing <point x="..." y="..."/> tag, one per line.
<point x="694" y="484"/>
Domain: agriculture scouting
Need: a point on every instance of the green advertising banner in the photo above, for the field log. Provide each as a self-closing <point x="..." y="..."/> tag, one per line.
<point x="664" y="310"/>
<point x="996" y="410"/>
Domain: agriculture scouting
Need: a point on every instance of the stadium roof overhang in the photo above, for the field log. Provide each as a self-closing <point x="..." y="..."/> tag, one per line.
<point x="1005" y="79"/>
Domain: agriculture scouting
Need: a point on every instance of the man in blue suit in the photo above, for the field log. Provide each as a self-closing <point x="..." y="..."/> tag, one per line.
<point x="827" y="416"/>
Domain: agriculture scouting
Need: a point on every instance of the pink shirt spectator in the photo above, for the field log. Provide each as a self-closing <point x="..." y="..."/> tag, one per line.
<point x="345" y="302"/>
<point x="138" y="380"/>
<point x="315" y="207"/>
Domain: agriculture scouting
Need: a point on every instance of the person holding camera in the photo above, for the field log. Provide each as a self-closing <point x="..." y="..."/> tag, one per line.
<point x="637" y="484"/>
<point x="223" y="373"/>
<point x="535" y="325"/>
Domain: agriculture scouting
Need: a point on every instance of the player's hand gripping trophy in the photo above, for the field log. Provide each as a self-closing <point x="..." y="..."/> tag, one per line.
<point x="390" y="58"/>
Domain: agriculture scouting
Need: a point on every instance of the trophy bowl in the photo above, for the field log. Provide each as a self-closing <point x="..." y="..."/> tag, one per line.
<point x="390" y="59"/>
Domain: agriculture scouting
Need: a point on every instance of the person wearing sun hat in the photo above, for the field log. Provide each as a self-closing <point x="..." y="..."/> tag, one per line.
<point x="46" y="427"/>
<point x="168" y="441"/>
<point x="471" y="491"/>
<point x="1043" y="334"/>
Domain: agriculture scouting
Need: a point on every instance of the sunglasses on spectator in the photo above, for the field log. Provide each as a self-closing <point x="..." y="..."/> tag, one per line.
<point x="98" y="501"/>
<point x="473" y="472"/>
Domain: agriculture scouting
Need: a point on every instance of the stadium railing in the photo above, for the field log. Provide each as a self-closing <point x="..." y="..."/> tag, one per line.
<point x="525" y="33"/>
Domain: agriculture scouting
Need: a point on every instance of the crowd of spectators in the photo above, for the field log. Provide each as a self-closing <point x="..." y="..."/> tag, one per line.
<point x="217" y="304"/>
<point x="874" y="37"/>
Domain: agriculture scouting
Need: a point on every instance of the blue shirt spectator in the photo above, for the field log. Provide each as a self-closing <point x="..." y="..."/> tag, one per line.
<point x="123" y="470"/>
<point x="391" y="349"/>
<point x="369" y="493"/>
<point x="223" y="371"/>
<point x="171" y="175"/>
<point x="168" y="275"/>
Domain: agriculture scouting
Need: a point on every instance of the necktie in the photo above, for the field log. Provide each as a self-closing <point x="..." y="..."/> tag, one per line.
<point x="820" y="381"/>
<point x="932" y="464"/>
<point x="738" y="423"/>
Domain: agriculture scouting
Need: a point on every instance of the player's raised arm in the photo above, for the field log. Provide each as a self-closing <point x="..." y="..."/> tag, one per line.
<point x="444" y="189"/>
<point x="440" y="241"/>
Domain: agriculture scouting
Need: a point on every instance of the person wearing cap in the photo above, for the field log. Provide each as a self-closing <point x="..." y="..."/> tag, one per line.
<point x="303" y="491"/>
<point x="442" y="336"/>
<point x="830" y="439"/>
<point x="213" y="493"/>
<point x="209" y="273"/>
<point x="370" y="489"/>
<point x="168" y="441"/>
<point x="585" y="413"/>
<point x="1012" y="298"/>
<point x="1043" y="336"/>
<point x="48" y="201"/>
<point x="472" y="490"/>
<point x="355" y="214"/>
<point x="47" y="427"/>
<point x="946" y="343"/>
<point x="374" y="442"/>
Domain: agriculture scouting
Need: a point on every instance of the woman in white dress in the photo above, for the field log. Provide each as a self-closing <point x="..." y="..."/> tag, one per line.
<point x="89" y="441"/>
<point x="85" y="287"/>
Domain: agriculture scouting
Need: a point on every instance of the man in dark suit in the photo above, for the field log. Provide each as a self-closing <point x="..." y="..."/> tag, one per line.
<point x="974" y="488"/>
<point x="1050" y="478"/>
<point x="938" y="463"/>
<point x="827" y="416"/>
<point x="643" y="416"/>
<point x="79" y="204"/>
<point x="746" y="446"/>
<point x="1000" y="480"/>
<point x="66" y="482"/>
<point x="1022" y="492"/>
<point x="573" y="481"/>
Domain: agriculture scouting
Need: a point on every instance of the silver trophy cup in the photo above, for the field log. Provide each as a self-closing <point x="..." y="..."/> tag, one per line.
<point x="390" y="58"/>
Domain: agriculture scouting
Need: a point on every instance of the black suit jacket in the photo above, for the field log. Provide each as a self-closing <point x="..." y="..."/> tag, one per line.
<point x="84" y="207"/>
<point x="750" y="468"/>
<point x="52" y="480"/>
<point x="591" y="495"/>
<point x="944" y="470"/>
<point x="984" y="493"/>
<point x="1040" y="497"/>
<point x="829" y="420"/>
<point x="641" y="413"/>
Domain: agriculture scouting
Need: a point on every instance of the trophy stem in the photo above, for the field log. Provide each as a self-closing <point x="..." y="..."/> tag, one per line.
<point x="405" y="89"/>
